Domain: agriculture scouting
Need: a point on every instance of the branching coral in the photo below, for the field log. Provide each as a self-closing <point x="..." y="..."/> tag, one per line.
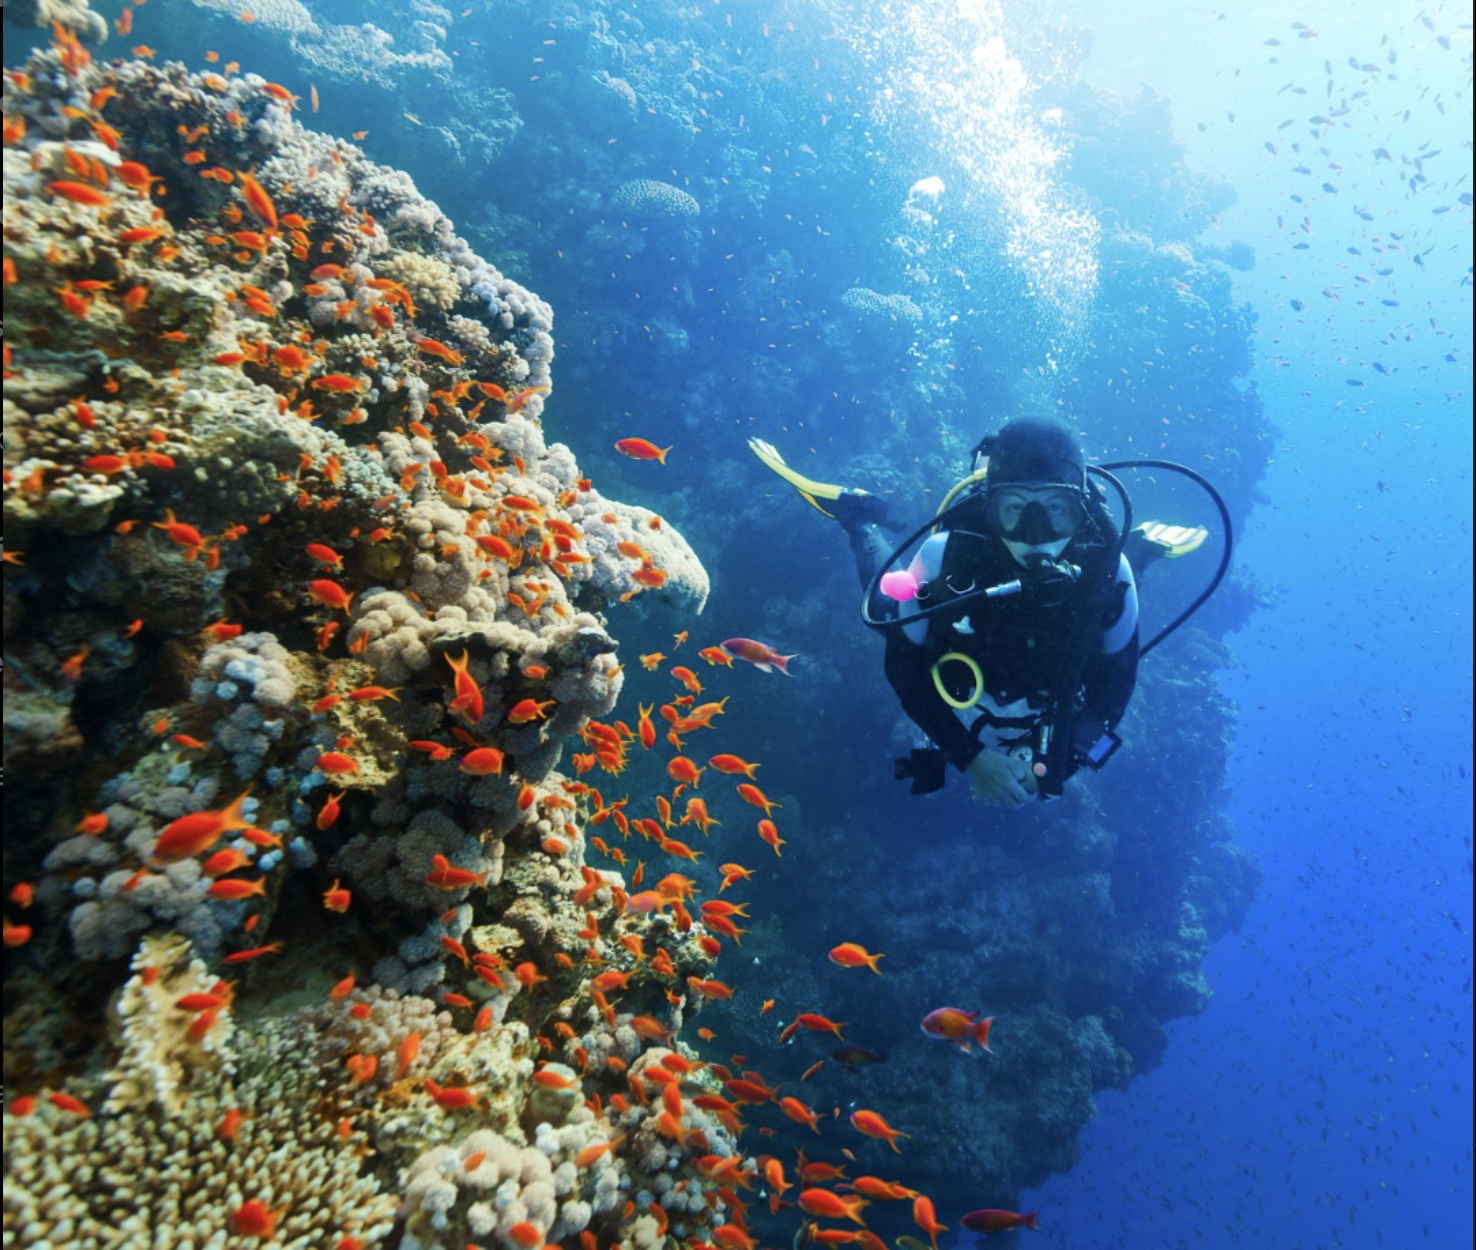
<point x="181" y="1144"/>
<point x="164" y="1047"/>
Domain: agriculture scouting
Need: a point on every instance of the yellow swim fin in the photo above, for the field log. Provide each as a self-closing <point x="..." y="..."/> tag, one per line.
<point x="1153" y="540"/>
<point x="1173" y="541"/>
<point x="810" y="490"/>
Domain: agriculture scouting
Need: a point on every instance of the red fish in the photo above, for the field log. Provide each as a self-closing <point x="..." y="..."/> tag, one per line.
<point x="641" y="449"/>
<point x="482" y="762"/>
<point x="752" y="794"/>
<point x="468" y="701"/>
<point x="953" y="1024"/>
<point x="256" y="952"/>
<point x="432" y="347"/>
<point x="529" y="710"/>
<point x="925" y="1219"/>
<point x="994" y="1220"/>
<point x="759" y="654"/>
<point x="680" y="768"/>
<point x="190" y="835"/>
<point x="80" y="193"/>
<point x="799" y="1113"/>
<point x="253" y="1219"/>
<point x="330" y="594"/>
<point x="818" y="1023"/>
<point x="233" y="889"/>
<point x="324" y="555"/>
<point x="873" y="1125"/>
<point x="830" y="1206"/>
<point x="850" y="955"/>
<point x="452" y="1098"/>
<point x="258" y="201"/>
<point x="733" y="765"/>
<point x="446" y="877"/>
<point x="336" y="898"/>
<point x="72" y="1106"/>
<point x="328" y="813"/>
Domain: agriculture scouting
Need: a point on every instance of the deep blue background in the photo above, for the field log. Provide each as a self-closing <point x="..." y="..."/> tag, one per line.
<point x="1325" y="1097"/>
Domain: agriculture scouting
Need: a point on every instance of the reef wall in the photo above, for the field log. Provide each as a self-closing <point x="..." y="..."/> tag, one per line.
<point x="281" y="517"/>
<point x="300" y="611"/>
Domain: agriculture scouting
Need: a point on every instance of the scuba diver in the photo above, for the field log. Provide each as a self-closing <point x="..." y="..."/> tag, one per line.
<point x="1012" y="633"/>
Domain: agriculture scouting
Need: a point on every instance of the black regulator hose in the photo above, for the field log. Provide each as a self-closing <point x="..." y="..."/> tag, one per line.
<point x="1119" y="537"/>
<point x="1105" y="472"/>
<point x="1226" y="548"/>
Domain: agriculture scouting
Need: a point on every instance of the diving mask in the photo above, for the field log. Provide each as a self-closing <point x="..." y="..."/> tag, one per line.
<point x="1035" y="518"/>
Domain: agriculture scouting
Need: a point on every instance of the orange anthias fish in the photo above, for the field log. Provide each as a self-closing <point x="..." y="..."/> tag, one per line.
<point x="468" y="698"/>
<point x="873" y="1125"/>
<point x="733" y="765"/>
<point x="258" y="201"/>
<point x="924" y="1217"/>
<point x="769" y="832"/>
<point x="831" y="1206"/>
<point x="755" y="796"/>
<point x="850" y="955"/>
<point x="680" y="768"/>
<point x="330" y="594"/>
<point x="953" y="1024"/>
<point x="482" y="762"/>
<point x="199" y="831"/>
<point x="233" y="889"/>
<point x="446" y="877"/>
<point x="760" y="655"/>
<point x="254" y="1219"/>
<point x="641" y="449"/>
<point x="688" y="678"/>
<point x="817" y="1023"/>
<point x="529" y="710"/>
<point x="799" y="1113"/>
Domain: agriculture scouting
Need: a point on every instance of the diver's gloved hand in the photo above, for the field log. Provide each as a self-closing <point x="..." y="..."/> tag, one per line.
<point x="1001" y="779"/>
<point x="853" y="508"/>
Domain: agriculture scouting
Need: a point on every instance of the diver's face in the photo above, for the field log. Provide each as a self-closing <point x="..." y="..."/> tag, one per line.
<point x="1035" y="520"/>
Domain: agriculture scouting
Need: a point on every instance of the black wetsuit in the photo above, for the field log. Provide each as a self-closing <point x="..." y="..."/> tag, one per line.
<point x="1019" y="644"/>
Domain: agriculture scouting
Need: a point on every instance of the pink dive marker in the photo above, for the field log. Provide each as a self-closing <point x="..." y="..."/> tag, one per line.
<point x="899" y="585"/>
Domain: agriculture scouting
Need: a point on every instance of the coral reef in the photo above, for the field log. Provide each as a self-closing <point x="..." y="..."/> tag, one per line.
<point x="163" y="1047"/>
<point x="649" y="198"/>
<point x="292" y="556"/>
<point x="329" y="600"/>
<point x="184" y="1168"/>
<point x="865" y="302"/>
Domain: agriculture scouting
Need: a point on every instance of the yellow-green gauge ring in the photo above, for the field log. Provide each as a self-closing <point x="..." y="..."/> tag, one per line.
<point x="959" y="704"/>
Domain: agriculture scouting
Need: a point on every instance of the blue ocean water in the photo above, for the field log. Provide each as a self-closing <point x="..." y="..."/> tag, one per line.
<point x="1324" y="1098"/>
<point x="1107" y="173"/>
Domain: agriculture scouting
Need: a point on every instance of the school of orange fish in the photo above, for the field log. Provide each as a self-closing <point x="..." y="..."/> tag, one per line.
<point x="316" y="380"/>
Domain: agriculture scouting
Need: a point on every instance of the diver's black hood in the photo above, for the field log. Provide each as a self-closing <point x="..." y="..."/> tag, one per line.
<point x="1034" y="449"/>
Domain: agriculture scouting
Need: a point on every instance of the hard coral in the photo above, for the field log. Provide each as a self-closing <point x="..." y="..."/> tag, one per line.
<point x="164" y="1048"/>
<point x="647" y="198"/>
<point x="132" y="1177"/>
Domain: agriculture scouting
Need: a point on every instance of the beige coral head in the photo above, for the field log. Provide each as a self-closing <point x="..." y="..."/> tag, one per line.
<point x="163" y="1045"/>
